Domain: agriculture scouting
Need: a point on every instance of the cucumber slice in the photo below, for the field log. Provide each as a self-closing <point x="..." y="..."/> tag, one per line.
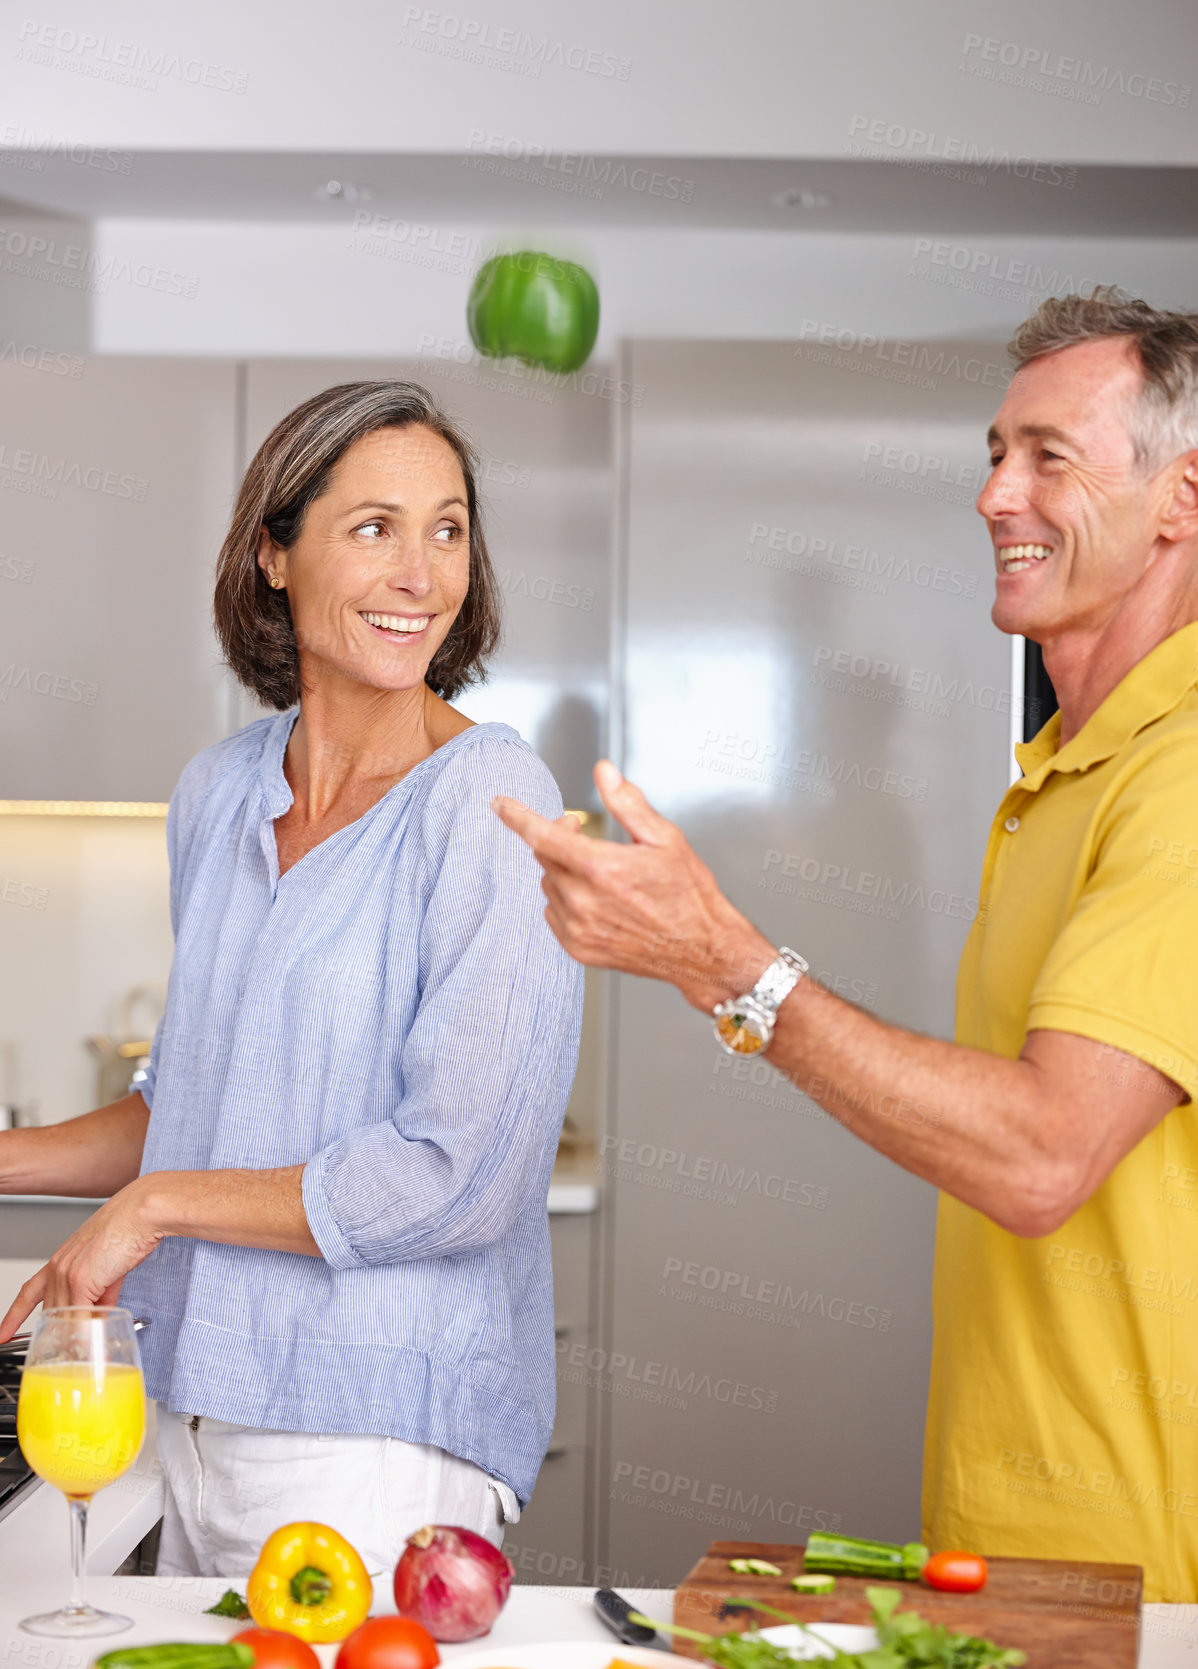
<point x="814" y="1584"/>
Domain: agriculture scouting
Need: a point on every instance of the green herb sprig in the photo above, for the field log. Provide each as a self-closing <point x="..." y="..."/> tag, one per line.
<point x="905" y="1641"/>
<point x="230" y="1604"/>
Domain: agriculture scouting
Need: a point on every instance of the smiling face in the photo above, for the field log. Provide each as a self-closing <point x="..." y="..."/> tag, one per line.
<point x="1073" y="517"/>
<point x="382" y="563"/>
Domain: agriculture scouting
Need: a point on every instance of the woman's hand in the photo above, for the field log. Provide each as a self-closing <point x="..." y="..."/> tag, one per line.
<point x="90" y="1266"/>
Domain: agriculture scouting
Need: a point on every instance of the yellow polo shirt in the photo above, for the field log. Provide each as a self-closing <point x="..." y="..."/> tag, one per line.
<point x="1063" y="1409"/>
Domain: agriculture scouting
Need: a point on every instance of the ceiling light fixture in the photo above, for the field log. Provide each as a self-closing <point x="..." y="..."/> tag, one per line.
<point x="344" y="191"/>
<point x="798" y="197"/>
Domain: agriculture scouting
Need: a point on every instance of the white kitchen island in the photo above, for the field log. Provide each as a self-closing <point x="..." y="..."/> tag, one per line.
<point x="35" y="1576"/>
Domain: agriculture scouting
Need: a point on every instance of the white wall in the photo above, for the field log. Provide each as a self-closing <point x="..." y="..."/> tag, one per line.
<point x="87" y="920"/>
<point x="761" y="78"/>
<point x="307" y="290"/>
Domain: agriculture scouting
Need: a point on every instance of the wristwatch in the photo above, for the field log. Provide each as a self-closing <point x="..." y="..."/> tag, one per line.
<point x="745" y="1024"/>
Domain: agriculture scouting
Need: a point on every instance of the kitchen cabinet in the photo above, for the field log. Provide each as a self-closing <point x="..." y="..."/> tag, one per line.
<point x="117" y="485"/>
<point x="550" y="1543"/>
<point x="35" y="1225"/>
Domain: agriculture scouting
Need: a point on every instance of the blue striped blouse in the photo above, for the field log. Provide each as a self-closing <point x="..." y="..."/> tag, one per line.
<point x="395" y="1015"/>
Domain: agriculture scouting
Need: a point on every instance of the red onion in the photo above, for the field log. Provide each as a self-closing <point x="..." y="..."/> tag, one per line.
<point x="452" y="1581"/>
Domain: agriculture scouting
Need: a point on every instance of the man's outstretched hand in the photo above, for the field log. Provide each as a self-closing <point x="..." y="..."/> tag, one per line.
<point x="651" y="908"/>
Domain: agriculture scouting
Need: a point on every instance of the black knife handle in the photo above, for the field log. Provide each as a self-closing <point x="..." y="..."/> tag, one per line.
<point x="615" y="1612"/>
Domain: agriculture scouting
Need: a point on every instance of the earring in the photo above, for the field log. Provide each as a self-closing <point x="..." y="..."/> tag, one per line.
<point x="275" y="581"/>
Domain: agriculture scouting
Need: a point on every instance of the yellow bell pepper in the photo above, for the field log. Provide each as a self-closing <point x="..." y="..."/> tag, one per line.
<point x="309" y="1582"/>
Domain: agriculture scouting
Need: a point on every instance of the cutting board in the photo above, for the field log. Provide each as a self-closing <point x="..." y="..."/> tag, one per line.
<point x="1065" y="1614"/>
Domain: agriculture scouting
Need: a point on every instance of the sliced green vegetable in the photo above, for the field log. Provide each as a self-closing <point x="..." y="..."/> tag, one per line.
<point x="179" y="1654"/>
<point x="753" y="1567"/>
<point x="813" y="1584"/>
<point x="850" y="1556"/>
<point x="230" y="1604"/>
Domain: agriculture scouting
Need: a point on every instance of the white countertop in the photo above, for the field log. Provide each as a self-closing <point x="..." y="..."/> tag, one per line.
<point x="574" y="1187"/>
<point x="172" y="1608"/>
<point x="34" y="1533"/>
<point x="35" y="1576"/>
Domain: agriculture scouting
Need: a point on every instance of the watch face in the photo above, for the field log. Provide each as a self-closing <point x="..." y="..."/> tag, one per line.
<point x="739" y="1032"/>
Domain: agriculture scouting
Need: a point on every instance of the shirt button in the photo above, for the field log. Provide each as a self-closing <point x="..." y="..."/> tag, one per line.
<point x="1011" y="824"/>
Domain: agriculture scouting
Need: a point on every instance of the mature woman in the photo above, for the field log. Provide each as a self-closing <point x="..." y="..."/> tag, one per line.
<point x="329" y="1194"/>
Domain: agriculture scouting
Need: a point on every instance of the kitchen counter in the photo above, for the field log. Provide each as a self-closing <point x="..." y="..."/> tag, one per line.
<point x="35" y="1576"/>
<point x="573" y="1187"/>
<point x="170" y="1608"/>
<point x="33" y="1225"/>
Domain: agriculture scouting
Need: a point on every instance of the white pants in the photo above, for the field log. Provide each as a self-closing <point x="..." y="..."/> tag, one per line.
<point x="228" y="1487"/>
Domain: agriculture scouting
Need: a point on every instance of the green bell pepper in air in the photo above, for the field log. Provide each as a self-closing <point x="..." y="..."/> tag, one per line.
<point x="535" y="308"/>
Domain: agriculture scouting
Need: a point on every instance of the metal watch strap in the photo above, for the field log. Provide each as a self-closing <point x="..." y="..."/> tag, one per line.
<point x="780" y="978"/>
<point x="744" y="1025"/>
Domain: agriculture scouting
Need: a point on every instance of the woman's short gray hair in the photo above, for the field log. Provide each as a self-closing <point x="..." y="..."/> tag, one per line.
<point x="1165" y="420"/>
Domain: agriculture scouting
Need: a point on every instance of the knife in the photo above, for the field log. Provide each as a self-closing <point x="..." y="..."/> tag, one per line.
<point x="614" y="1611"/>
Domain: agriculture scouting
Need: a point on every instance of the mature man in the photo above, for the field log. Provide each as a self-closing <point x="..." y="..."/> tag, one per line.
<point x="1063" y="1414"/>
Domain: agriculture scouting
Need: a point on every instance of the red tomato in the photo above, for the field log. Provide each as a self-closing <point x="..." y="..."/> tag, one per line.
<point x="389" y="1643"/>
<point x="273" y="1649"/>
<point x="955" y="1573"/>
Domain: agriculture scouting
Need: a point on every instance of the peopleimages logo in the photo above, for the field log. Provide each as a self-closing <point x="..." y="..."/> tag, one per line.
<point x="916" y="144"/>
<point x="833" y="876"/>
<point x="739" y="1289"/>
<point x="34" y="358"/>
<point x="58" y="684"/>
<point x="785" y="549"/>
<point x="30" y="255"/>
<point x="600" y="172"/>
<point x="623" y="1375"/>
<point x="466" y="365"/>
<point x="826" y="773"/>
<point x="63" y="472"/>
<point x="699" y="1492"/>
<point x="479" y="41"/>
<point x="928" y="466"/>
<point x="1040" y="67"/>
<point x="28" y="144"/>
<point x="878" y="674"/>
<point x="125" y="62"/>
<point x="926" y="358"/>
<point x="1003" y="269"/>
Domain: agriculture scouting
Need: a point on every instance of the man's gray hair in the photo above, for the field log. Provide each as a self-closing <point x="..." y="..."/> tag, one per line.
<point x="1164" y="422"/>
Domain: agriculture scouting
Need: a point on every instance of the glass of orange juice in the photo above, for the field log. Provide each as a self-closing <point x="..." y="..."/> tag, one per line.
<point x="81" y="1418"/>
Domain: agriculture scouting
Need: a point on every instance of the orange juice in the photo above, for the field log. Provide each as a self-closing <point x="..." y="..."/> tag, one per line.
<point x="80" y="1426"/>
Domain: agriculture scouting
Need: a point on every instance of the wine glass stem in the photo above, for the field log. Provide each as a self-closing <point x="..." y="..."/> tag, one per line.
<point x="78" y="1545"/>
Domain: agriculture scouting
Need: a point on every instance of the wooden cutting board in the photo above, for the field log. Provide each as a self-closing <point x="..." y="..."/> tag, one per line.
<point x="1065" y="1614"/>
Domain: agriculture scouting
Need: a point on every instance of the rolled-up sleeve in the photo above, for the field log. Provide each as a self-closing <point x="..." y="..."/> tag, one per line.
<point x="486" y="1067"/>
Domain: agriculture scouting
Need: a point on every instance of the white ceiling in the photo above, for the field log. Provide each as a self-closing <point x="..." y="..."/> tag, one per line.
<point x="1084" y="81"/>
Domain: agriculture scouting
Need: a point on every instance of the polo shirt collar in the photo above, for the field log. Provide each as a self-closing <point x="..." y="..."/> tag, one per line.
<point x="1152" y="688"/>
